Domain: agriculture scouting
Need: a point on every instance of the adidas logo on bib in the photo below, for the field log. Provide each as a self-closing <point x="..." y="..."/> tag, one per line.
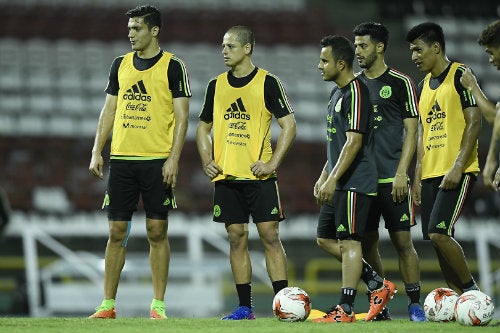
<point x="137" y="92"/>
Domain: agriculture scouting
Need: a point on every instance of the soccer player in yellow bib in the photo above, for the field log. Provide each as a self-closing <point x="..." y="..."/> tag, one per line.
<point x="147" y="106"/>
<point x="239" y="107"/>
<point x="447" y="161"/>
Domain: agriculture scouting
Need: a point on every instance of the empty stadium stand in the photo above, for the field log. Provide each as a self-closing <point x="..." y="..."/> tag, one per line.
<point x="52" y="84"/>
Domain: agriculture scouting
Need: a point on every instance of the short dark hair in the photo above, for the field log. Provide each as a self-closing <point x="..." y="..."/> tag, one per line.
<point x="151" y="15"/>
<point x="490" y="35"/>
<point x="244" y="35"/>
<point x="377" y="32"/>
<point x="429" y="32"/>
<point x="342" y="48"/>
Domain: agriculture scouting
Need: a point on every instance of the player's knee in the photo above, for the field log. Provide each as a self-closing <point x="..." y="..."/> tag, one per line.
<point x="270" y="236"/>
<point x="272" y="242"/>
<point x="323" y="242"/>
<point x="237" y="241"/>
<point x="403" y="244"/>
<point x="156" y="234"/>
<point x="437" y="239"/>
<point x="117" y="233"/>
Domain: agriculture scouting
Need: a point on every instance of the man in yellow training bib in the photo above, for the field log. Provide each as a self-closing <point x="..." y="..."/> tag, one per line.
<point x="239" y="107"/>
<point x="146" y="107"/>
<point x="447" y="161"/>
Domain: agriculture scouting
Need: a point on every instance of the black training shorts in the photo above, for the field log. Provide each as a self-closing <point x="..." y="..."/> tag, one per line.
<point x="130" y="179"/>
<point x="397" y="216"/>
<point x="236" y="200"/>
<point x="345" y="217"/>
<point x="441" y="208"/>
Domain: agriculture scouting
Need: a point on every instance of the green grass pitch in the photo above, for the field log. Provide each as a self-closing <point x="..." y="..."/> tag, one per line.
<point x="215" y="325"/>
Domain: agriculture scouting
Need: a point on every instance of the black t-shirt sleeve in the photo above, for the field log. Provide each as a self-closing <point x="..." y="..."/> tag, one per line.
<point x="275" y="97"/>
<point x="207" y="110"/>
<point x="466" y="98"/>
<point x="356" y="101"/>
<point x="408" y="98"/>
<point x="178" y="78"/>
<point x="113" y="86"/>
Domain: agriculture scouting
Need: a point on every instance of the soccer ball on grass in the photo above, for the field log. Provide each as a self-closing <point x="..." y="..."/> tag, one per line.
<point x="474" y="308"/>
<point x="439" y="305"/>
<point x="292" y="304"/>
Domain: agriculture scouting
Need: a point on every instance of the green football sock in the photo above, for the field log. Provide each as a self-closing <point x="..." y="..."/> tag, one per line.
<point x="108" y="304"/>
<point x="157" y="303"/>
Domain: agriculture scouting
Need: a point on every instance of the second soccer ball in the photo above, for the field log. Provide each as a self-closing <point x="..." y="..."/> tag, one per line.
<point x="439" y="305"/>
<point x="292" y="304"/>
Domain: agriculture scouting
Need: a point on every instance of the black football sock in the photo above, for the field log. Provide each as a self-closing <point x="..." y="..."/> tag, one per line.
<point x="471" y="285"/>
<point x="371" y="278"/>
<point x="347" y="299"/>
<point x="278" y="285"/>
<point x="245" y="294"/>
<point x="413" y="292"/>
